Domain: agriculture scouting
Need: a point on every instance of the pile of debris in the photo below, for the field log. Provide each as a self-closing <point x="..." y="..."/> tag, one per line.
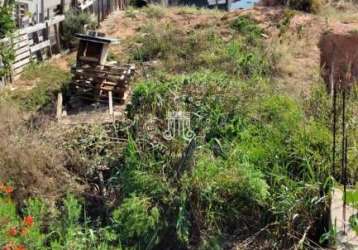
<point x="94" y="78"/>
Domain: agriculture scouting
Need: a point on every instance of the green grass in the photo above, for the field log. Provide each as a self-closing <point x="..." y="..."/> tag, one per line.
<point x="243" y="55"/>
<point x="46" y="81"/>
<point x="352" y="198"/>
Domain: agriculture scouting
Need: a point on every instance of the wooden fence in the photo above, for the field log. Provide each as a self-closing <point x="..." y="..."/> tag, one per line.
<point x="33" y="43"/>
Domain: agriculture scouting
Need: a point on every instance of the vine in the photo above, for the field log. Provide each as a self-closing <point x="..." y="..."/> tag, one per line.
<point x="7" y="27"/>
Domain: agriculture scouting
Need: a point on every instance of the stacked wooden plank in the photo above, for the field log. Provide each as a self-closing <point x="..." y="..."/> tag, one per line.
<point x="96" y="82"/>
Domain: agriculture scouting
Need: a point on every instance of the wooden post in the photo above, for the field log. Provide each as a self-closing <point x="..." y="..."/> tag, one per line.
<point x="62" y="11"/>
<point x="42" y="16"/>
<point x="18" y="22"/>
<point x="59" y="106"/>
<point x="57" y="37"/>
<point x="98" y="13"/>
<point x="110" y="102"/>
<point x="35" y="37"/>
<point x="47" y="37"/>
<point x="108" y="5"/>
<point x="103" y="15"/>
<point x="2" y="82"/>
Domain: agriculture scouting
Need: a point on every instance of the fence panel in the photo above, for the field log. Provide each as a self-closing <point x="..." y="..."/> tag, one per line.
<point x="30" y="44"/>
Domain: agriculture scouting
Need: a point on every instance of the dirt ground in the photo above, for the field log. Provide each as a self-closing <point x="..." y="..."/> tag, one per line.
<point x="293" y="35"/>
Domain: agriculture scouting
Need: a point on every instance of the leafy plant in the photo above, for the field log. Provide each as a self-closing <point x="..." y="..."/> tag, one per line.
<point x="353" y="221"/>
<point x="329" y="236"/>
<point x="137" y="223"/>
<point x="76" y="22"/>
<point x="7" y="27"/>
<point x="7" y="24"/>
<point x="247" y="26"/>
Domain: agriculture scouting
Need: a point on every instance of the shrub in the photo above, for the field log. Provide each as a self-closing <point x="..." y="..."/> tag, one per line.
<point x="247" y="26"/>
<point x="7" y="26"/>
<point x="17" y="232"/>
<point x="137" y="223"/>
<point x="76" y="22"/>
<point x="7" y="23"/>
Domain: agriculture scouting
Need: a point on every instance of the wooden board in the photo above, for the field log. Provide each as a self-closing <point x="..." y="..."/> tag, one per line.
<point x="21" y="63"/>
<point x="40" y="46"/>
<point x="86" y="5"/>
<point x="21" y="45"/>
<point x="22" y="50"/>
<point x="22" y="56"/>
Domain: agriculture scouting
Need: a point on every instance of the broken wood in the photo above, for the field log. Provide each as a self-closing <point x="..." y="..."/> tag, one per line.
<point x="110" y="101"/>
<point x="59" y="106"/>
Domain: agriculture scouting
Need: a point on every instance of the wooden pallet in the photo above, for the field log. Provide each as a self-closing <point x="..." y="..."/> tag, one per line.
<point x="101" y="81"/>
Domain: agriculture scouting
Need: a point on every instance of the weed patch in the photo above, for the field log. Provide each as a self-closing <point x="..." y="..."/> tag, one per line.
<point x="47" y="80"/>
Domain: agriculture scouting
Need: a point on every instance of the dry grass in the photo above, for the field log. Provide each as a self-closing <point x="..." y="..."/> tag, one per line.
<point x="341" y="11"/>
<point x="29" y="160"/>
<point x="298" y="64"/>
<point x="297" y="45"/>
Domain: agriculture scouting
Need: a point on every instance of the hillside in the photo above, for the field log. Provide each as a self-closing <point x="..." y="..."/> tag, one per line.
<point x="252" y="170"/>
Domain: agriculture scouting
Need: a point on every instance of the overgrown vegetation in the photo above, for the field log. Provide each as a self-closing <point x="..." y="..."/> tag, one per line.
<point x="7" y="26"/>
<point x="49" y="80"/>
<point x="256" y="175"/>
<point x="244" y="56"/>
<point x="76" y="22"/>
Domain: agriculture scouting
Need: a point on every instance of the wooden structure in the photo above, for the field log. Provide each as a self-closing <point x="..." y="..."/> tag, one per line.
<point x="96" y="79"/>
<point x="34" y="43"/>
<point x="38" y="37"/>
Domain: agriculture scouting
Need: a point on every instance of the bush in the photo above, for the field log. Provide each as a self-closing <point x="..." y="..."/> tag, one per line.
<point x="137" y="223"/>
<point x="247" y="26"/>
<point x="43" y="228"/>
<point x="7" y="26"/>
<point x="76" y="22"/>
<point x="7" y="23"/>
